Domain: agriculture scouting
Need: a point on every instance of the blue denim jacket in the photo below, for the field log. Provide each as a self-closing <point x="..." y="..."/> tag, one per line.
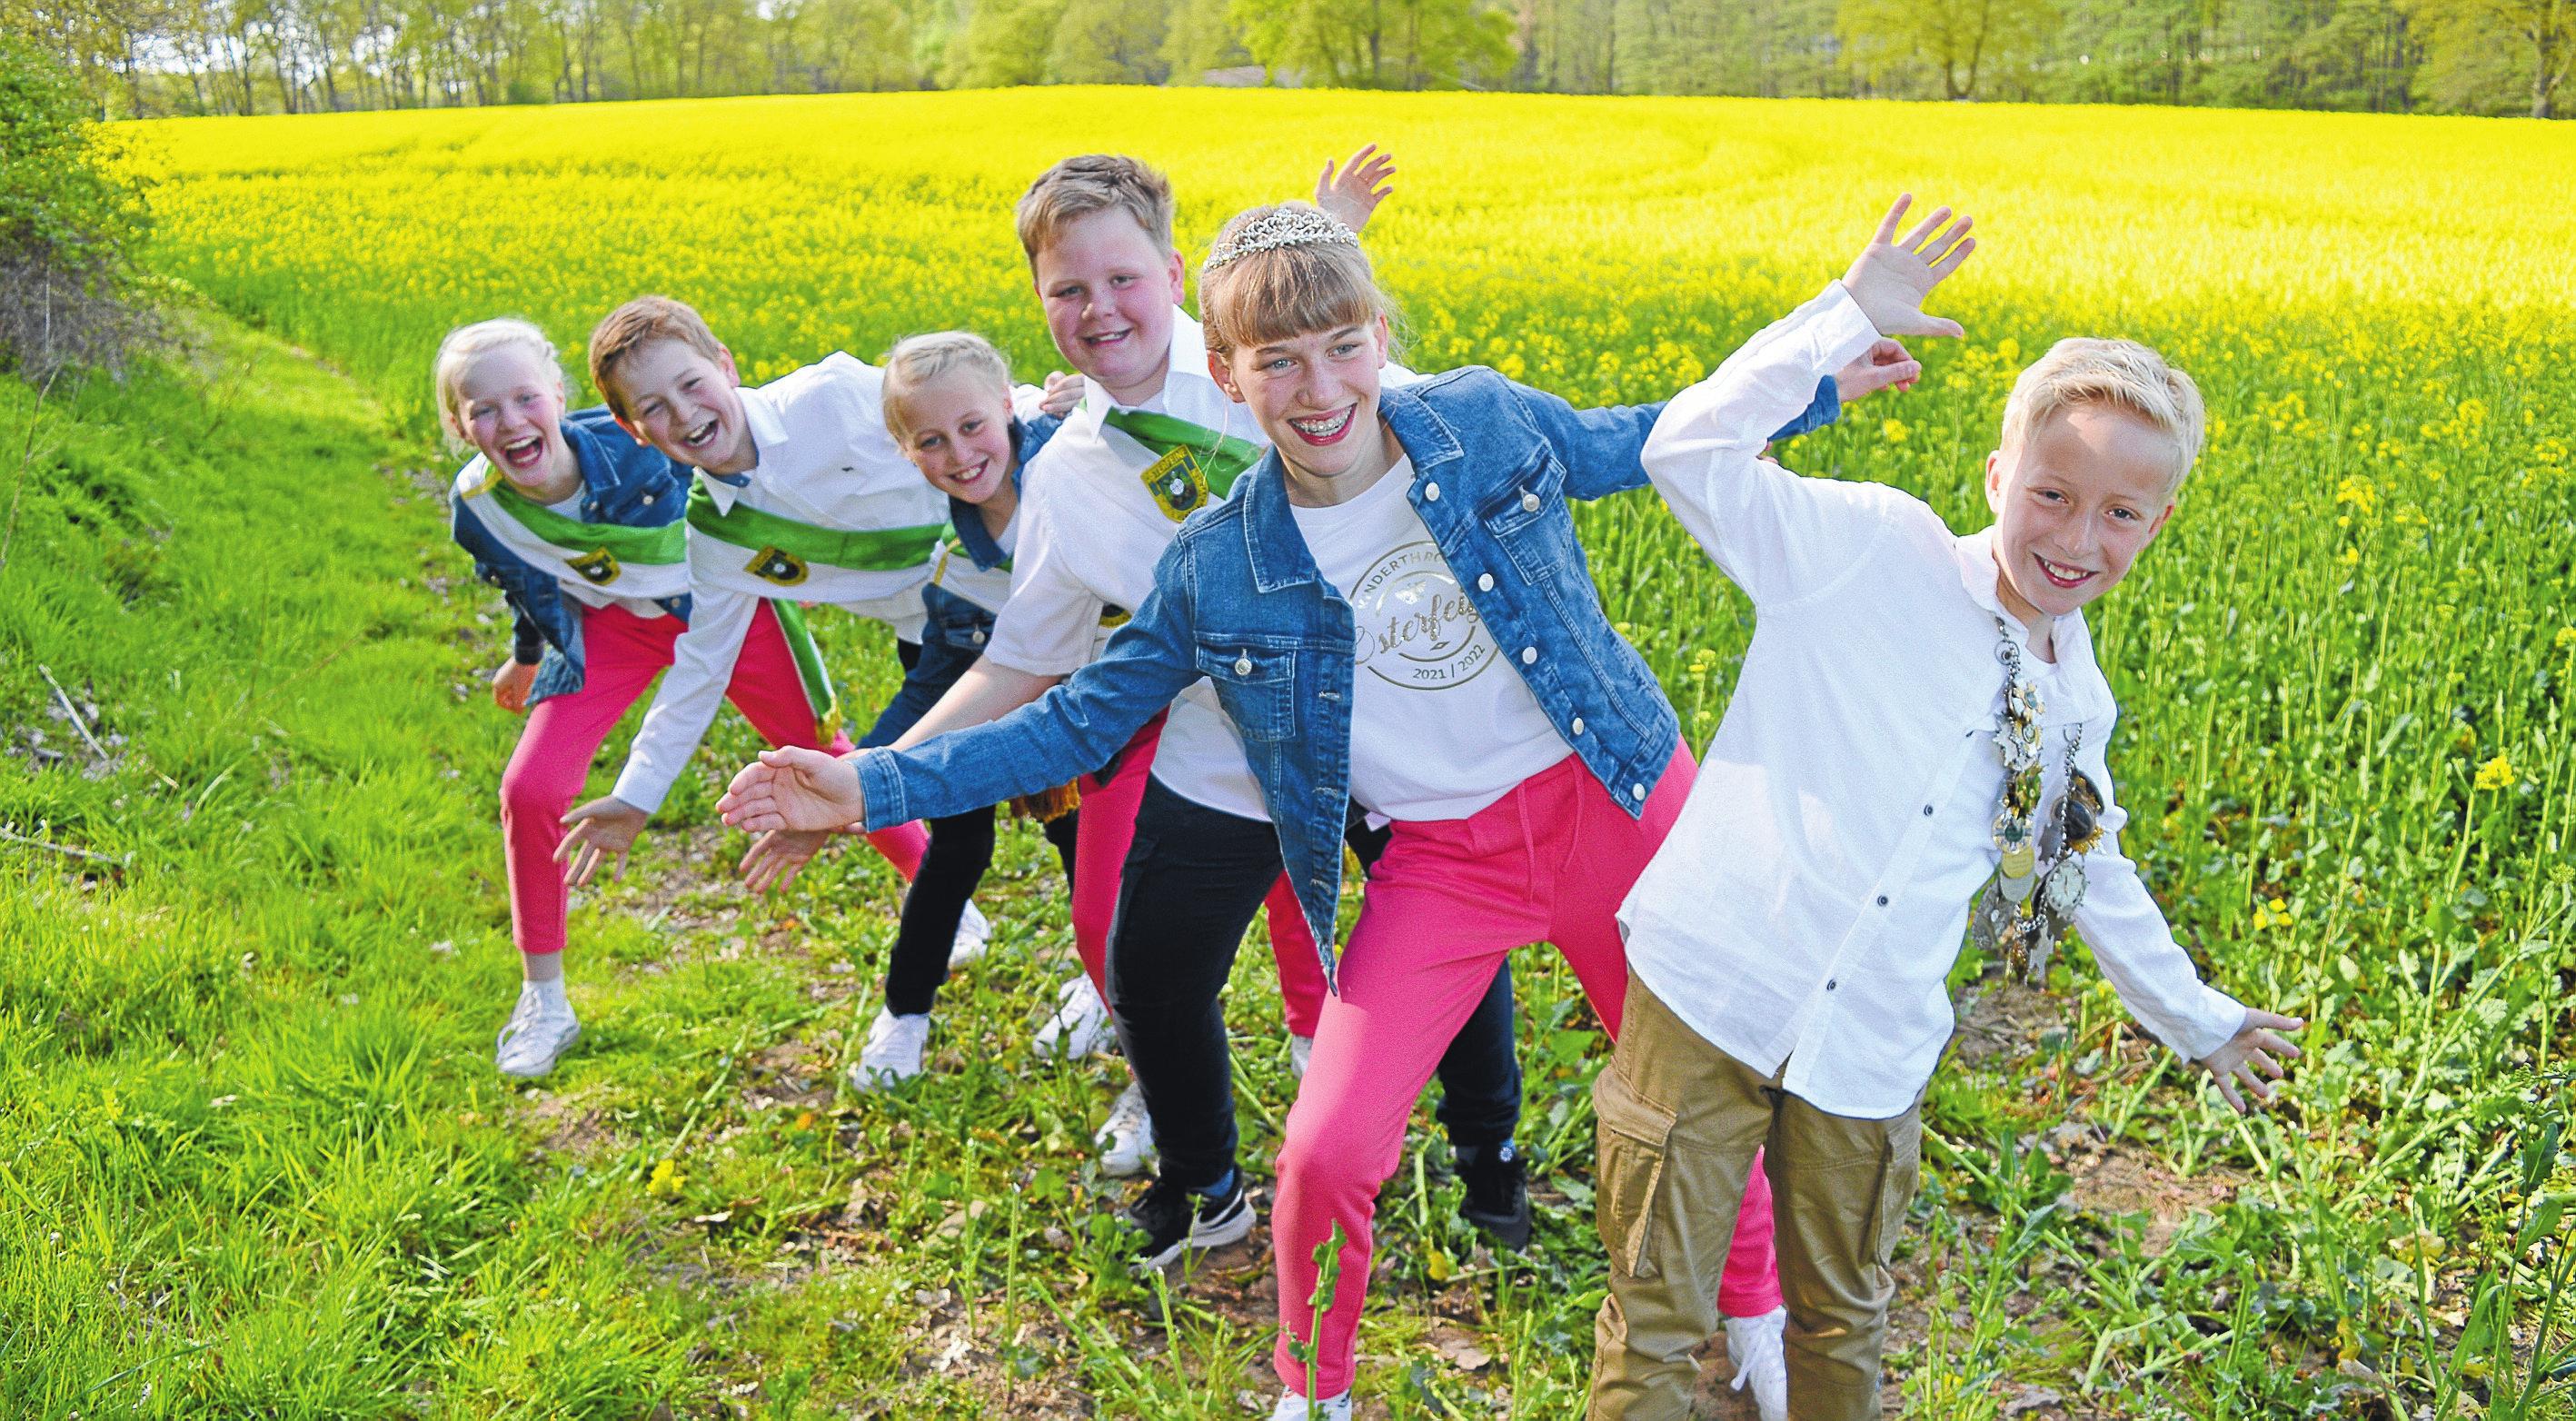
<point x="1237" y="599"/>
<point x="626" y="483"/>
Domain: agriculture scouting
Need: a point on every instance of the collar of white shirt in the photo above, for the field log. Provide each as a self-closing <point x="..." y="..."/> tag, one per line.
<point x="2080" y="680"/>
<point x="1187" y="359"/>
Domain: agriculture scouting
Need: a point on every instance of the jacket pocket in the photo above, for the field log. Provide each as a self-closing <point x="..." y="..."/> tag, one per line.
<point x="1256" y="685"/>
<point x="1628" y="1173"/>
<point x="1524" y="498"/>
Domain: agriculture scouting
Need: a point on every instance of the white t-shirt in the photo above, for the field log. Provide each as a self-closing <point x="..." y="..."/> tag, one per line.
<point x="987" y="587"/>
<point x="1441" y="725"/>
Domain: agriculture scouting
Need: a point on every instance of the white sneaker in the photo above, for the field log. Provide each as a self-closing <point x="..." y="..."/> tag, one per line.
<point x="1753" y="1345"/>
<point x="974" y="934"/>
<point x="1080" y="1026"/>
<point x="541" y="1026"/>
<point x="1294" y="1407"/>
<point x="893" y="1052"/>
<point x="1301" y="1050"/>
<point x="1127" y="1140"/>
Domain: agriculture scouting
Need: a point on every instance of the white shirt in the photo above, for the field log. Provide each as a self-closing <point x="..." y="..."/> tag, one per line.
<point x="987" y="587"/>
<point x="635" y="587"/>
<point x="1814" y="893"/>
<point x="825" y="458"/>
<point x="1441" y="726"/>
<point x="1089" y="536"/>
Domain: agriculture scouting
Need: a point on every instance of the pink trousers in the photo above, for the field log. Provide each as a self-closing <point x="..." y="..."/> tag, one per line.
<point x="621" y="654"/>
<point x="1100" y="857"/>
<point x="1549" y="861"/>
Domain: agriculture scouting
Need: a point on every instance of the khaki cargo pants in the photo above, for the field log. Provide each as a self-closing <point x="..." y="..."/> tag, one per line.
<point x="1679" y="1123"/>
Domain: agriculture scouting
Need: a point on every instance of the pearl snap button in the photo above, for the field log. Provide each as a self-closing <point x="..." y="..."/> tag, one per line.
<point x="1529" y="501"/>
<point x="1485" y="583"/>
<point x="1637" y="791"/>
<point x="1431" y="493"/>
<point x="979" y="638"/>
<point x="1243" y="666"/>
<point x="1529" y="655"/>
<point x="1578" y="725"/>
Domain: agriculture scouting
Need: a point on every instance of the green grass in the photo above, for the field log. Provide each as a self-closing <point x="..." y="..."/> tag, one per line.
<point x="254" y="1160"/>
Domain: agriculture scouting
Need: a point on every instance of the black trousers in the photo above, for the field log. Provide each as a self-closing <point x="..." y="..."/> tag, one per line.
<point x="961" y="848"/>
<point x="1191" y="884"/>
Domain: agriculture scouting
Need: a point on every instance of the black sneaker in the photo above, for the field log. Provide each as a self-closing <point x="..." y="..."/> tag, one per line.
<point x="1497" y="1201"/>
<point x="1175" y="1220"/>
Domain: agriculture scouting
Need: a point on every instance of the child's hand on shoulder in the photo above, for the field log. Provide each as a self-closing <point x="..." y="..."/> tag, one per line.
<point x="1890" y="278"/>
<point x="510" y="685"/>
<point x="1884" y="364"/>
<point x="1362" y="186"/>
<point x="2254" y="1053"/>
<point x="1063" y="394"/>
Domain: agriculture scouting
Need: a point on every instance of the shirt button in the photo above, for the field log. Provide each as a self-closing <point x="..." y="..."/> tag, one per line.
<point x="1831" y="984"/>
<point x="1636" y="791"/>
<point x="1529" y="501"/>
<point x="1578" y="725"/>
<point x="1927" y="811"/>
<point x="1485" y="583"/>
<point x="1529" y="656"/>
<point x="1882" y="900"/>
<point x="1431" y="493"/>
<point x="1243" y="667"/>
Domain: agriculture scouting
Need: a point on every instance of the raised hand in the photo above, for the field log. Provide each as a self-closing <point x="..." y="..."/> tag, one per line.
<point x="778" y="856"/>
<point x="1062" y="395"/>
<point x="601" y="830"/>
<point x="510" y="685"/>
<point x="2253" y="1053"/>
<point x="1890" y="278"/>
<point x="1353" y="196"/>
<point x="794" y="788"/>
<point x="1883" y="364"/>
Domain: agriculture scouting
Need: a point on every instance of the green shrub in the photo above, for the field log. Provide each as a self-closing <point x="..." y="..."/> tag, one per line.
<point x="71" y="293"/>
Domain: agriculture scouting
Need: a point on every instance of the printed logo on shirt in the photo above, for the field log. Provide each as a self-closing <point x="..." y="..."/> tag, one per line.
<point x="599" y="568"/>
<point x="1178" y="484"/>
<point x="1113" y="616"/>
<point x="772" y="565"/>
<point x="1416" y="629"/>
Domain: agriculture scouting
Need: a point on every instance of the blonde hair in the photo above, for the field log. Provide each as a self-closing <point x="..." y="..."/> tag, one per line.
<point x="1094" y="182"/>
<point x="917" y="361"/>
<point x="639" y="323"/>
<point x="2120" y="373"/>
<point x="463" y="345"/>
<point x="1276" y="293"/>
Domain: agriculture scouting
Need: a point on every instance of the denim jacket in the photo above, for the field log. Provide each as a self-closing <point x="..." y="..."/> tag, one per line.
<point x="623" y="482"/>
<point x="1237" y="599"/>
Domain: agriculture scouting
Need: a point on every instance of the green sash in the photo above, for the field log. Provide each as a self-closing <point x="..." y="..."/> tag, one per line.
<point x="819" y="692"/>
<point x="784" y="549"/>
<point x="599" y="550"/>
<point x="1192" y="460"/>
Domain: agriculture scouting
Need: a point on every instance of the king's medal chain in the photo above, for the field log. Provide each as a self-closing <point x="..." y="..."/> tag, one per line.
<point x="2039" y="879"/>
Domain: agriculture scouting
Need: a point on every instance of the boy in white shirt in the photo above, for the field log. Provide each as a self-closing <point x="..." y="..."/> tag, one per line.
<point x="800" y="496"/>
<point x="1919" y="715"/>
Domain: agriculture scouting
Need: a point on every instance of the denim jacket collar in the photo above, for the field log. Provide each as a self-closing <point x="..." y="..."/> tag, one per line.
<point x="968" y="520"/>
<point x="1277" y="550"/>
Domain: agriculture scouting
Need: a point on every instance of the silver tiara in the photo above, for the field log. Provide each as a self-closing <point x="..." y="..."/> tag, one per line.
<point x="1292" y="226"/>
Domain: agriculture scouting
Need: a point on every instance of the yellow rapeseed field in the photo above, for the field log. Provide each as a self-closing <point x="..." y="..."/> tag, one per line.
<point x="2344" y="669"/>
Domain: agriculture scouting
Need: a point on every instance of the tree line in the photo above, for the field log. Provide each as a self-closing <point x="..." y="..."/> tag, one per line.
<point x="152" y="57"/>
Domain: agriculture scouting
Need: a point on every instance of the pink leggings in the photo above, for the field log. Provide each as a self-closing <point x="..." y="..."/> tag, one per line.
<point x="1100" y="855"/>
<point x="1549" y="861"/>
<point x="621" y="654"/>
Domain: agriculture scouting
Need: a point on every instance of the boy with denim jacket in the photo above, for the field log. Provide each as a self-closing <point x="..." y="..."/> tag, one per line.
<point x="1919" y="715"/>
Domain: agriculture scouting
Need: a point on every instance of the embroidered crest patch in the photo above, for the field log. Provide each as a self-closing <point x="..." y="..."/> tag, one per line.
<point x="1177" y="483"/>
<point x="599" y="568"/>
<point x="771" y="564"/>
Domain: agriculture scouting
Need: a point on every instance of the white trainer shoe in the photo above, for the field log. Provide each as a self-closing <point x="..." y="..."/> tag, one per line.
<point x="974" y="934"/>
<point x="1080" y="1026"/>
<point x="1127" y="1140"/>
<point x="1753" y="1344"/>
<point x="893" y="1052"/>
<point x="1294" y="1407"/>
<point x="1301" y="1050"/>
<point x="541" y="1026"/>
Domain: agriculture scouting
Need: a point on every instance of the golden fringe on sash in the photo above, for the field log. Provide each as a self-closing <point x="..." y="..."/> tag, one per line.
<point x="1048" y="805"/>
